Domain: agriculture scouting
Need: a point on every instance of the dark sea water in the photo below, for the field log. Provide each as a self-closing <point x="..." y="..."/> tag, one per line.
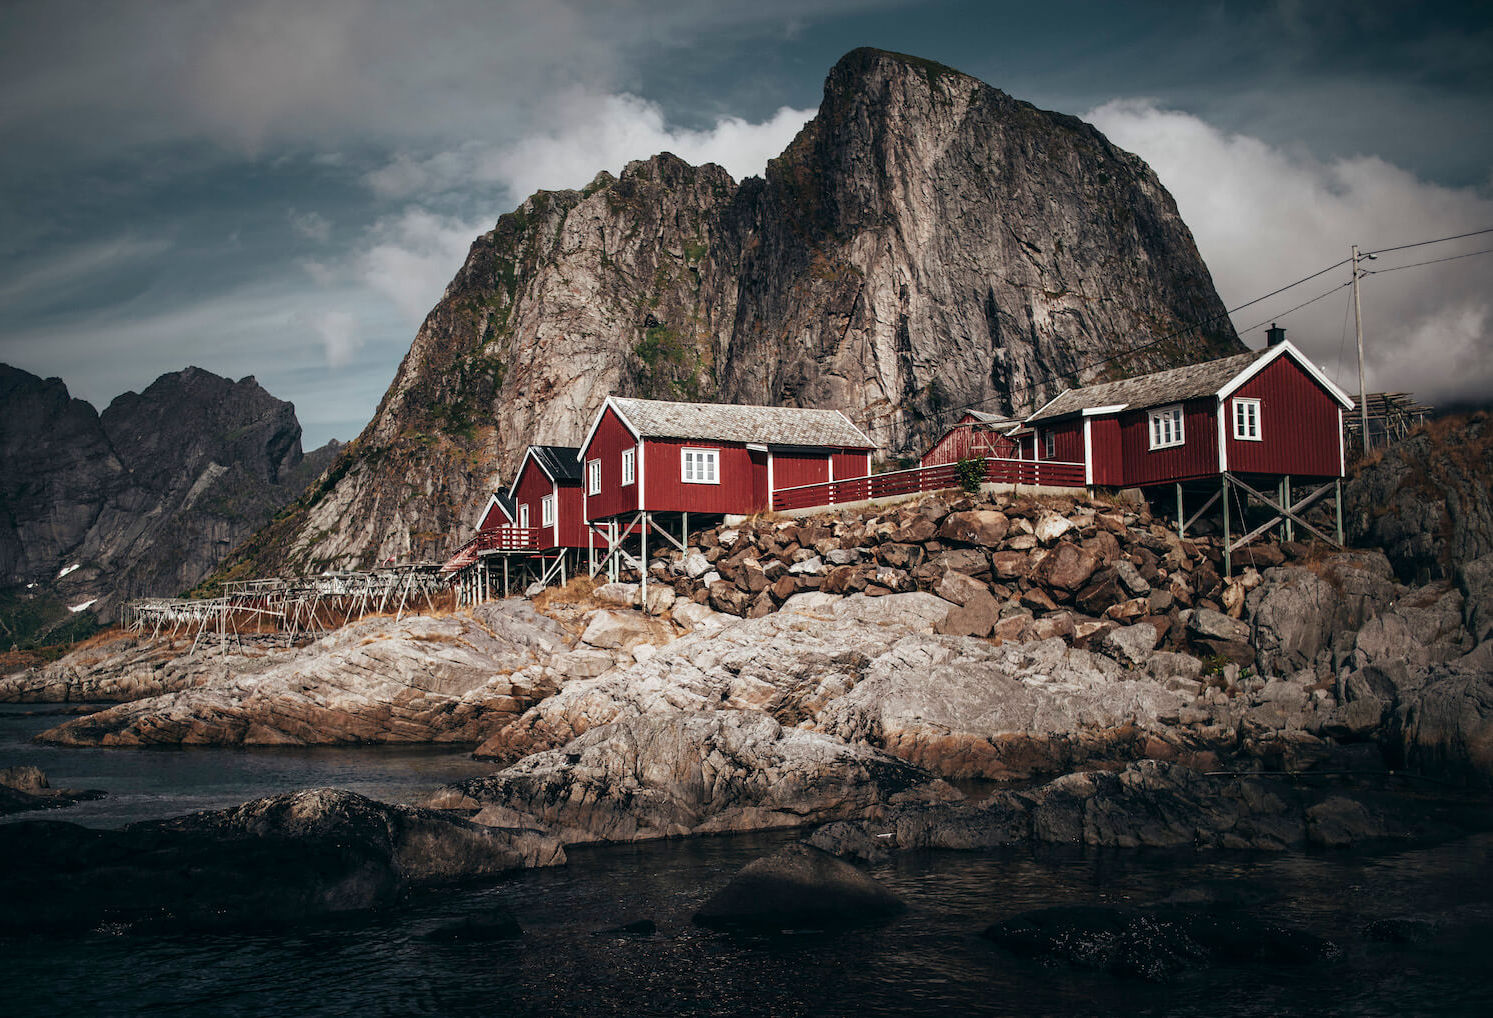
<point x="929" y="961"/>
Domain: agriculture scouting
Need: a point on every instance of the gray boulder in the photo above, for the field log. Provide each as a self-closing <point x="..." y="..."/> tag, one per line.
<point x="795" y="887"/>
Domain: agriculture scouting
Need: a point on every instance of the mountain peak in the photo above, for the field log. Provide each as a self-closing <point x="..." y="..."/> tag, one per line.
<point x="925" y="243"/>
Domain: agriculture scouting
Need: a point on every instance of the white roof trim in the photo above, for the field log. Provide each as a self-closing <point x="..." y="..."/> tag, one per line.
<point x="854" y="427"/>
<point x="1281" y="349"/>
<point x="756" y="447"/>
<point x="528" y="455"/>
<point x="1099" y="411"/>
<point x="580" y="454"/>
<point x="1027" y="419"/>
<point x="492" y="500"/>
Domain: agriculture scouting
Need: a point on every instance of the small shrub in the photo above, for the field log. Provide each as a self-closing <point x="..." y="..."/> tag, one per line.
<point x="971" y="474"/>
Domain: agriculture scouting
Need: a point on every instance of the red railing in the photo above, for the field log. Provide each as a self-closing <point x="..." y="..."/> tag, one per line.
<point x="505" y="538"/>
<point x="934" y="478"/>
<point x="513" y="538"/>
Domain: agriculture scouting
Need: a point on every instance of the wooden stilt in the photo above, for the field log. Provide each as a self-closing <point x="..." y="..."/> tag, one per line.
<point x="1338" y="500"/>
<point x="1181" y="517"/>
<point x="1227" y="555"/>
<point x="1290" y="526"/>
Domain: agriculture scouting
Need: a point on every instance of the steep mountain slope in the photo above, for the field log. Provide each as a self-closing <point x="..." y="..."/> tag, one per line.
<point x="925" y="242"/>
<point x="144" y="499"/>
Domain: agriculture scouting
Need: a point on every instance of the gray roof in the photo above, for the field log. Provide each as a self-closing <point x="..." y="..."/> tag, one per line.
<point x="982" y="417"/>
<point x="1156" y="389"/>
<point x="729" y="422"/>
<point x="559" y="461"/>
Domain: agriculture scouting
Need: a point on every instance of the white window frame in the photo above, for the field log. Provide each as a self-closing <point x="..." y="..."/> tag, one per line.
<point x="629" y="465"/>
<point x="1049" y="444"/>
<point x="593" y="477"/>
<point x="523" y="515"/>
<point x="547" y="511"/>
<point x="1247" y="420"/>
<point x="699" y="466"/>
<point x="1165" y="427"/>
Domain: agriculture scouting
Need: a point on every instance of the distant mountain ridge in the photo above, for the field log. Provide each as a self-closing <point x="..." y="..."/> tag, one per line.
<point x="925" y="242"/>
<point x="141" y="500"/>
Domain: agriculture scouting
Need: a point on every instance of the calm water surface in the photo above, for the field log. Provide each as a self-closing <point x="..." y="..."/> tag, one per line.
<point x="928" y="961"/>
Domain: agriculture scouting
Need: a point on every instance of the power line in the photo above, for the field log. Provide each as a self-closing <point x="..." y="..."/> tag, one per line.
<point x="1423" y="243"/>
<point x="1429" y="261"/>
<point x="944" y="411"/>
<point x="1298" y="307"/>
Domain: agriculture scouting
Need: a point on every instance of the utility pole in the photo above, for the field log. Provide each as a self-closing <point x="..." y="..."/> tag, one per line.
<point x="1363" y="396"/>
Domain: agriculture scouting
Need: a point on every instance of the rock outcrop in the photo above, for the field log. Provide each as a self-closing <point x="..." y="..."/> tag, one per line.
<point x="451" y="678"/>
<point x="693" y="772"/>
<point x="120" y="667"/>
<point x="1147" y="804"/>
<point x="925" y="242"/>
<point x="141" y="500"/>
<point x="1427" y="500"/>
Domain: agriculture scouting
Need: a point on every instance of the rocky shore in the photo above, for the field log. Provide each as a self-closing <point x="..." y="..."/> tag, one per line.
<point x="958" y="672"/>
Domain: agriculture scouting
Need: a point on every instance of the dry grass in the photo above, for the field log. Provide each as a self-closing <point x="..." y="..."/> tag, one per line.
<point x="20" y="660"/>
<point x="437" y="638"/>
<point x="576" y="591"/>
<point x="100" y="638"/>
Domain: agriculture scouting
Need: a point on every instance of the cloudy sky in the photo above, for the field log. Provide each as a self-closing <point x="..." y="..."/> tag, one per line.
<point x="283" y="189"/>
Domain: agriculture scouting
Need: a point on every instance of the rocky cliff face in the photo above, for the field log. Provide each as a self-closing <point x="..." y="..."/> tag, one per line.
<point x="143" y="499"/>
<point x="926" y="242"/>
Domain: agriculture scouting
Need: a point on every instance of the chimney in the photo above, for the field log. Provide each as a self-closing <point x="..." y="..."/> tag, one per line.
<point x="1275" y="335"/>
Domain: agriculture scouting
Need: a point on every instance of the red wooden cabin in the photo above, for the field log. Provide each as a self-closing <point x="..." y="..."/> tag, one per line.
<point x="1267" y="412"/>
<point x="977" y="435"/>
<point x="1234" y="433"/>
<point x="546" y="495"/>
<point x="653" y="456"/>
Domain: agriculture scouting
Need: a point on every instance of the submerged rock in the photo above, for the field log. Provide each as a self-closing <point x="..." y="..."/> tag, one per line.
<point x="1153" y="944"/>
<point x="285" y="859"/>
<point x="795" y="887"/>
<point x="23" y="789"/>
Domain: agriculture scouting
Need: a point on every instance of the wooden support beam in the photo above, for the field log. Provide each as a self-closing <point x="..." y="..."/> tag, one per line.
<point x="1293" y="512"/>
<point x="1199" y="514"/>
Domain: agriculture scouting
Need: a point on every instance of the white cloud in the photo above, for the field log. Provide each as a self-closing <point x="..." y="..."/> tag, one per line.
<point x="338" y="332"/>
<point x="589" y="133"/>
<point x="1264" y="216"/>
<point x="79" y="267"/>
<point x="413" y="255"/>
<point x="609" y="131"/>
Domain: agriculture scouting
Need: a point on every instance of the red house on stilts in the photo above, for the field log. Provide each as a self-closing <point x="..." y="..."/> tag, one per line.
<point x="649" y="465"/>
<point x="1231" y="429"/>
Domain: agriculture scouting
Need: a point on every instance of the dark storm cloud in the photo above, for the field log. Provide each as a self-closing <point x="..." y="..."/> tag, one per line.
<point x="284" y="188"/>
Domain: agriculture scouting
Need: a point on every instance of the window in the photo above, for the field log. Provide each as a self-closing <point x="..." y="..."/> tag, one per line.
<point x="629" y="456"/>
<point x="1166" y="427"/>
<point x="547" y="511"/>
<point x="523" y="516"/>
<point x="698" y="466"/>
<point x="1247" y="419"/>
<point x="593" y="477"/>
<point x="1049" y="444"/>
